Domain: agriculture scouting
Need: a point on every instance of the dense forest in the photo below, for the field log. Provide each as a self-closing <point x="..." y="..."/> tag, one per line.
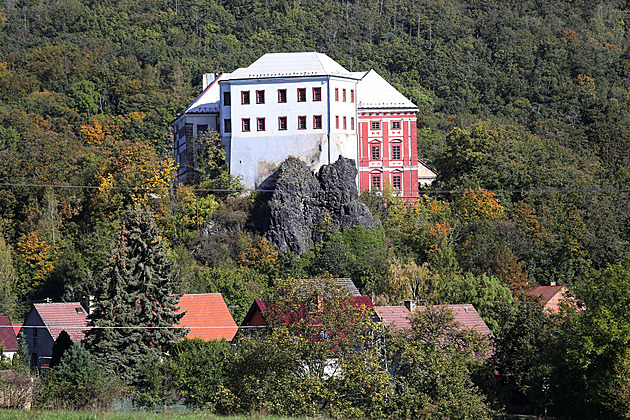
<point x="524" y="115"/>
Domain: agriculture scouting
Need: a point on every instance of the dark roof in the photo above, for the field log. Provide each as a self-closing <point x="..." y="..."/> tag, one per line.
<point x="466" y="315"/>
<point x="7" y="334"/>
<point x="68" y="316"/>
<point x="207" y="316"/>
<point x="349" y="285"/>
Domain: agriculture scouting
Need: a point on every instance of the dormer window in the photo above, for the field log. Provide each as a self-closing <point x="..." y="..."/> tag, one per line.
<point x="79" y="310"/>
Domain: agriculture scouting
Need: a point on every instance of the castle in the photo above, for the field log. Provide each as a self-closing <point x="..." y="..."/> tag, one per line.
<point x="308" y="106"/>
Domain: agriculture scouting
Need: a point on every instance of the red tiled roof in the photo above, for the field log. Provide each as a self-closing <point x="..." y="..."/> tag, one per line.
<point x="544" y="293"/>
<point x="69" y="316"/>
<point x="210" y="311"/>
<point x="7" y="334"/>
<point x="465" y="314"/>
<point x="396" y="316"/>
<point x="17" y="326"/>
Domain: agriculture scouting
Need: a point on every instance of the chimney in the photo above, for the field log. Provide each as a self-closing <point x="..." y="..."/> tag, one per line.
<point x="88" y="303"/>
<point x="411" y="305"/>
<point x="207" y="79"/>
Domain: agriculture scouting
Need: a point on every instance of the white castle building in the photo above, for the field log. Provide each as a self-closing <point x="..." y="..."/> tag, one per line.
<point x="308" y="106"/>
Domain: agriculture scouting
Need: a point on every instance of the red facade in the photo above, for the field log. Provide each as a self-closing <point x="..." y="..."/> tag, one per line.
<point x="388" y="156"/>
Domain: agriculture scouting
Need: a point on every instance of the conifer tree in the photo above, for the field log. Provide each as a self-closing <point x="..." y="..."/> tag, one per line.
<point x="135" y="311"/>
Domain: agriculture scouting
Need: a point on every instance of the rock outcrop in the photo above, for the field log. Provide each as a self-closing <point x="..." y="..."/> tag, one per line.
<point x="306" y="207"/>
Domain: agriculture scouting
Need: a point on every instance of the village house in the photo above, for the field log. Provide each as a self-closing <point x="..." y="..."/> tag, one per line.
<point x="550" y="297"/>
<point x="8" y="339"/>
<point x="398" y="316"/>
<point x="308" y="106"/>
<point x="207" y="316"/>
<point x="43" y="324"/>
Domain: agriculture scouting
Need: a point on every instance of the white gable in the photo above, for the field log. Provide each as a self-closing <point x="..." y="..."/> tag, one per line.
<point x="302" y="64"/>
<point x="209" y="99"/>
<point x="375" y="93"/>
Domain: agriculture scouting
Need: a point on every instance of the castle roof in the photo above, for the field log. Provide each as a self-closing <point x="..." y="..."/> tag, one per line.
<point x="298" y="64"/>
<point x="374" y="92"/>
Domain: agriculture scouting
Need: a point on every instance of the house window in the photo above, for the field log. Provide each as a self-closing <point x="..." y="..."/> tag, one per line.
<point x="337" y="94"/>
<point x="352" y="95"/>
<point x="343" y="96"/>
<point x="351" y="123"/>
<point x="260" y="96"/>
<point x="337" y="122"/>
<point x="301" y="94"/>
<point x="396" y="125"/>
<point x="376" y="152"/>
<point x="302" y="123"/>
<point x="260" y="124"/>
<point x="34" y="360"/>
<point x="202" y="129"/>
<point x="245" y="124"/>
<point x="376" y="182"/>
<point x="317" y="121"/>
<point x="227" y="125"/>
<point x="396" y="182"/>
<point x="227" y="99"/>
<point x="344" y="123"/>
<point x="317" y="94"/>
<point x="376" y="125"/>
<point x="245" y="97"/>
<point x="282" y="96"/>
<point x="396" y="152"/>
<point x="282" y="123"/>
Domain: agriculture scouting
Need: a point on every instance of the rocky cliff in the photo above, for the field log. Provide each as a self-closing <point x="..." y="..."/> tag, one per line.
<point x="305" y="207"/>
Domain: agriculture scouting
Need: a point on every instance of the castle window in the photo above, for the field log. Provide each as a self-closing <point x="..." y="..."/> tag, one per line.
<point x="260" y="124"/>
<point x="245" y="97"/>
<point x="351" y="123"/>
<point x="352" y="95"/>
<point x="337" y="122"/>
<point x="302" y="123"/>
<point x="396" y="152"/>
<point x="301" y="92"/>
<point x="396" y="125"/>
<point x="337" y="94"/>
<point x="282" y="123"/>
<point x="245" y="124"/>
<point x="282" y="96"/>
<point x="227" y="125"/>
<point x="317" y="121"/>
<point x="344" y="123"/>
<point x="317" y="94"/>
<point x="376" y="125"/>
<point x="376" y="182"/>
<point x="343" y="96"/>
<point x="227" y="99"/>
<point x="396" y="182"/>
<point x="376" y="152"/>
<point x="260" y="96"/>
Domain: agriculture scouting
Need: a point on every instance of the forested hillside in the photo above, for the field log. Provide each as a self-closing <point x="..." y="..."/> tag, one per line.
<point x="524" y="114"/>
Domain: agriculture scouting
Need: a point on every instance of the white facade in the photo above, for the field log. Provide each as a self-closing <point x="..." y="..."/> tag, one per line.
<point x="289" y="104"/>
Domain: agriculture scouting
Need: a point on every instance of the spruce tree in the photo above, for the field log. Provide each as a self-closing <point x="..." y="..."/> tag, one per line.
<point x="135" y="310"/>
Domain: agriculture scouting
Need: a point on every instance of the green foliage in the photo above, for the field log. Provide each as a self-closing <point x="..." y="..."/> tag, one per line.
<point x="60" y="346"/>
<point x="432" y="368"/>
<point x="593" y="346"/>
<point x="198" y="372"/>
<point x="84" y="98"/>
<point x="490" y="298"/>
<point x="138" y="300"/>
<point x="76" y="383"/>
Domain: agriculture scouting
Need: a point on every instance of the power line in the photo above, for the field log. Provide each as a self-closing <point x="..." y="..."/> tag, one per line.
<point x="242" y="190"/>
